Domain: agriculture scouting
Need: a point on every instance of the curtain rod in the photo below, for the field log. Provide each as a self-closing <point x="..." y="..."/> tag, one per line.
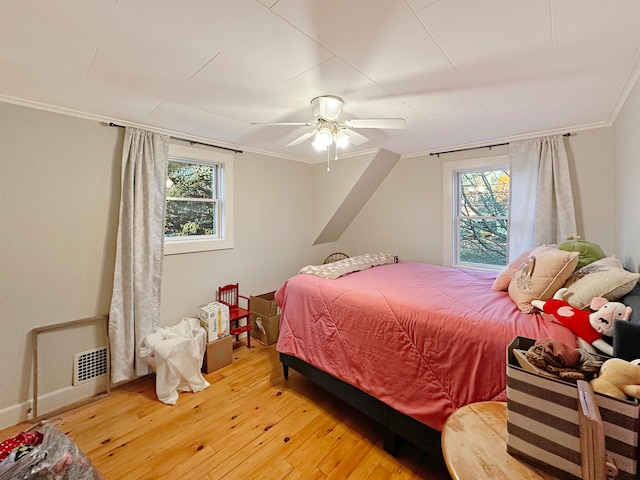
<point x="192" y="142"/>
<point x="484" y="146"/>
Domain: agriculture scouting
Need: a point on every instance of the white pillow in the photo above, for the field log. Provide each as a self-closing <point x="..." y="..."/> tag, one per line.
<point x="603" y="278"/>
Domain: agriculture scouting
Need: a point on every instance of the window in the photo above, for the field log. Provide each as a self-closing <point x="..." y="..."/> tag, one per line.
<point x="481" y="218"/>
<point x="198" y="200"/>
<point x="478" y="209"/>
<point x="192" y="198"/>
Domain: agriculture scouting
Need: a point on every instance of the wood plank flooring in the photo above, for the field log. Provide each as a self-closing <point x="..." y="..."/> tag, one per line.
<point x="250" y="424"/>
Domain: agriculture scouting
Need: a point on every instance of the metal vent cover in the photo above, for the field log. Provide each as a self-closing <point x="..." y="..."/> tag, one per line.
<point x="89" y="365"/>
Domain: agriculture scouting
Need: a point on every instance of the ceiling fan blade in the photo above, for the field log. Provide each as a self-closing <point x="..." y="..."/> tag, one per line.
<point x="298" y="124"/>
<point x="355" y="138"/>
<point x="302" y="138"/>
<point x="396" y="123"/>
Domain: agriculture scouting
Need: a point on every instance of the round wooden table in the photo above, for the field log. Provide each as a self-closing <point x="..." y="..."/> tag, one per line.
<point x="474" y="446"/>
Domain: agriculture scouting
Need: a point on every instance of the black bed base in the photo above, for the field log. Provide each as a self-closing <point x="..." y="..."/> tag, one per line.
<point x="396" y="425"/>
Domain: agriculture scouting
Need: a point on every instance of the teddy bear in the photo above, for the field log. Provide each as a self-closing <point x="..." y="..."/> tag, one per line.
<point x="589" y="327"/>
<point x="618" y="378"/>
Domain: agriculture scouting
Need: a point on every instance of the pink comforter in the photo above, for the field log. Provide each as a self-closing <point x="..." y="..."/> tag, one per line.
<point x="423" y="339"/>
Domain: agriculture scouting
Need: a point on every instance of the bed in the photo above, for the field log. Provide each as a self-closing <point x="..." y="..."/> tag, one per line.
<point x="406" y="343"/>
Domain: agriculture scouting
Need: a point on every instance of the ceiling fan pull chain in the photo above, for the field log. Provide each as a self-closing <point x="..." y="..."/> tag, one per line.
<point x="328" y="166"/>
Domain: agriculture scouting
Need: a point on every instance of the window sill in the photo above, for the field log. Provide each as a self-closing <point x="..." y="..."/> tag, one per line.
<point x="195" y="245"/>
<point x="481" y="267"/>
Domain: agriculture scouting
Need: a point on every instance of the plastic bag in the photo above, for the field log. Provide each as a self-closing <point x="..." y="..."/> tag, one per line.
<point x="55" y="458"/>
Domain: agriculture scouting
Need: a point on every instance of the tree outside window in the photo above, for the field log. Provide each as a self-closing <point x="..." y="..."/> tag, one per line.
<point x="192" y="199"/>
<point x="482" y="216"/>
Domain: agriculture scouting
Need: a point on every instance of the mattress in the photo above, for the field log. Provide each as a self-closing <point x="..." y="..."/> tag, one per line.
<point x="422" y="338"/>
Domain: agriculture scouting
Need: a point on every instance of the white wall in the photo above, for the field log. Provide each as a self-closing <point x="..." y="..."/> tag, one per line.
<point x="331" y="187"/>
<point x="626" y="183"/>
<point x="60" y="200"/>
<point x="591" y="166"/>
<point x="60" y="197"/>
<point x="404" y="216"/>
<point x="273" y="238"/>
<point x="59" y="219"/>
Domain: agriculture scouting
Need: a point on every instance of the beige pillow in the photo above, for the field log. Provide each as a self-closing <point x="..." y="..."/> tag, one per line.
<point x="603" y="278"/>
<point x="504" y="277"/>
<point x="551" y="270"/>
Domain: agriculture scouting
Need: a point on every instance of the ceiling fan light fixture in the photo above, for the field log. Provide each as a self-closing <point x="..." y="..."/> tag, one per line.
<point x="327" y="107"/>
<point x="341" y="139"/>
<point x="329" y="129"/>
<point x="323" y="139"/>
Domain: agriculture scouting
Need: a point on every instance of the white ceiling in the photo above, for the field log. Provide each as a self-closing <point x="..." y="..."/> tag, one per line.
<point x="461" y="72"/>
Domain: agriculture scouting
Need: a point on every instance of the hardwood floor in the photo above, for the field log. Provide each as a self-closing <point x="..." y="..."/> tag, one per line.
<point x="250" y="424"/>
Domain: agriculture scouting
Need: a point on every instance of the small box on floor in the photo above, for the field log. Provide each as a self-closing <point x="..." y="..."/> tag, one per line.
<point x="264" y="304"/>
<point x="218" y="354"/>
<point x="265" y="329"/>
<point x="214" y="317"/>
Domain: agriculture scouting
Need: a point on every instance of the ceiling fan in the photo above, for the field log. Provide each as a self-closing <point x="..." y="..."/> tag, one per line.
<point x="328" y="128"/>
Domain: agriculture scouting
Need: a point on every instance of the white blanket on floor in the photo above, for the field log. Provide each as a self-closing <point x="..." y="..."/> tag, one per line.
<point x="175" y="354"/>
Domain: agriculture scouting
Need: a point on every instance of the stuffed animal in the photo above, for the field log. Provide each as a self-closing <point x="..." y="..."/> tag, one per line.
<point x="618" y="378"/>
<point x="589" y="327"/>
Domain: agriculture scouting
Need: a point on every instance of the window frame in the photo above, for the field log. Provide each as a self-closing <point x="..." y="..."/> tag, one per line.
<point x="450" y="172"/>
<point x="203" y="243"/>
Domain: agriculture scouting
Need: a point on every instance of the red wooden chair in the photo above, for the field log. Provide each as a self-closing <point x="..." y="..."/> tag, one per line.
<point x="229" y="296"/>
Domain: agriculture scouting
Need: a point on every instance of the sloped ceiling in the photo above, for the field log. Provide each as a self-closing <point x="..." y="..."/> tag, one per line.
<point x="460" y="72"/>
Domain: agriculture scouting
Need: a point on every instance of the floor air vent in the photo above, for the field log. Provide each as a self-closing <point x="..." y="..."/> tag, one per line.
<point x="89" y="365"/>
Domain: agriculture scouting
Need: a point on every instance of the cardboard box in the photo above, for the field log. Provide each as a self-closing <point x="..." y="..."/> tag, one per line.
<point x="218" y="354"/>
<point x="264" y="304"/>
<point x="543" y="424"/>
<point x="265" y="329"/>
<point x="214" y="317"/>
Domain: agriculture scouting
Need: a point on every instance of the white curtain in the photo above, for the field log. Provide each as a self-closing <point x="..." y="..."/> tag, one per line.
<point x="541" y="210"/>
<point x="135" y="304"/>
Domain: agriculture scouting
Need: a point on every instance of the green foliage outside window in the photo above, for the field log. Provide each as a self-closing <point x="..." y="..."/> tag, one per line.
<point x="191" y="199"/>
<point x="482" y="217"/>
